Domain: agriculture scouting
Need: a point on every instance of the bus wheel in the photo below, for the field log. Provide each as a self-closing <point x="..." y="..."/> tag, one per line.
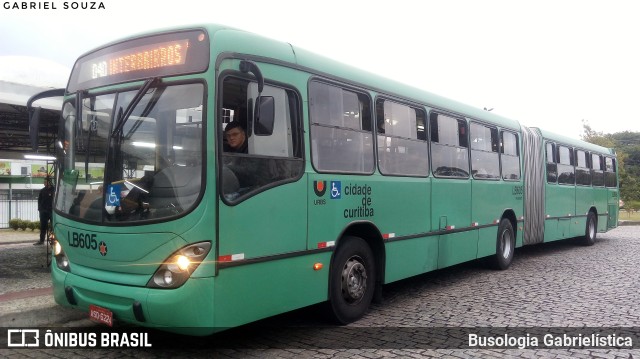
<point x="590" y="231"/>
<point x="352" y="280"/>
<point x="505" y="246"/>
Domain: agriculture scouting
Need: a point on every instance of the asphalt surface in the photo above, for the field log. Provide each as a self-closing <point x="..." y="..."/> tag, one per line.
<point x="554" y="285"/>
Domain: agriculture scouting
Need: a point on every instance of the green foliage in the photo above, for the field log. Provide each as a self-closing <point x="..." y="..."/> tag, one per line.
<point x="14" y="224"/>
<point x="627" y="146"/>
<point x="33" y="225"/>
<point x="17" y="223"/>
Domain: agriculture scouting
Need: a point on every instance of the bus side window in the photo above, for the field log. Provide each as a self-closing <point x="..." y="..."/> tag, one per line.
<point x="610" y="172"/>
<point x="402" y="144"/>
<point x="597" y="172"/>
<point x="274" y="154"/>
<point x="510" y="155"/>
<point x="552" y="167"/>
<point x="341" y="137"/>
<point x="449" y="146"/>
<point x="566" y="169"/>
<point x="485" y="162"/>
<point x="583" y="173"/>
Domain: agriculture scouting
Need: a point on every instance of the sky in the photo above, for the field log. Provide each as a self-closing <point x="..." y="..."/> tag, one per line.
<point x="548" y="64"/>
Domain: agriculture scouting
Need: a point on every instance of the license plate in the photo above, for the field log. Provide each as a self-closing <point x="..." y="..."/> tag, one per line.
<point x="101" y="315"/>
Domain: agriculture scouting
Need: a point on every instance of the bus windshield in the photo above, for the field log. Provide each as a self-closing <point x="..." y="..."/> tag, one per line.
<point x="147" y="167"/>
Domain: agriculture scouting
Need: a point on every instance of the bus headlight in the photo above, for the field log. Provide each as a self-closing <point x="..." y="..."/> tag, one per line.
<point x="57" y="248"/>
<point x="61" y="258"/>
<point x="175" y="271"/>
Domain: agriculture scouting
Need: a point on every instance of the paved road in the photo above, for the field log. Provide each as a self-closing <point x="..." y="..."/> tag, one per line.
<point x="558" y="284"/>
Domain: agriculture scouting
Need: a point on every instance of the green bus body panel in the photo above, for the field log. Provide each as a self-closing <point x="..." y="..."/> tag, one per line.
<point x="567" y="208"/>
<point x="398" y="207"/>
<point x="247" y="293"/>
<point x="489" y="201"/>
<point x="600" y="199"/>
<point x="450" y="209"/>
<point x="254" y="227"/>
<point x="418" y="255"/>
<point x="613" y="195"/>
<point x="560" y="206"/>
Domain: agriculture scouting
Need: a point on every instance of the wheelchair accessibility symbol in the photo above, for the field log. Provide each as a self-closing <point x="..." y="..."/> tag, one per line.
<point x="336" y="190"/>
<point x="113" y="195"/>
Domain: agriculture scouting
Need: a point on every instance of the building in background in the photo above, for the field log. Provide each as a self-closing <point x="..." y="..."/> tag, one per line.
<point x="20" y="179"/>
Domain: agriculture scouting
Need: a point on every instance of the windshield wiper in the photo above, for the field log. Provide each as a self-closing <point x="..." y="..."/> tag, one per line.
<point x="122" y="119"/>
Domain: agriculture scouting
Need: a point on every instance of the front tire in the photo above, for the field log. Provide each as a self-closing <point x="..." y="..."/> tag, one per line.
<point x="505" y="246"/>
<point x="591" y="230"/>
<point x="352" y="280"/>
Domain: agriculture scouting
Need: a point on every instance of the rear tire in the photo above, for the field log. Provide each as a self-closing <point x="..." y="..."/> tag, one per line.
<point x="505" y="246"/>
<point x="591" y="230"/>
<point x="351" y="280"/>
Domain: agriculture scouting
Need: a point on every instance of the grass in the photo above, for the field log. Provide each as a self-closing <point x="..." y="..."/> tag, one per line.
<point x="626" y="216"/>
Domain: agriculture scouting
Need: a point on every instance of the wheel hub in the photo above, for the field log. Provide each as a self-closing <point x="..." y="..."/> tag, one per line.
<point x="506" y="244"/>
<point x="354" y="280"/>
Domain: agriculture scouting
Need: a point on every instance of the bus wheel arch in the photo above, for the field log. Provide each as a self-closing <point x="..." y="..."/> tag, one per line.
<point x="356" y="272"/>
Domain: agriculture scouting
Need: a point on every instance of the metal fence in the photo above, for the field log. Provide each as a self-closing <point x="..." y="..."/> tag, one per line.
<point x="21" y="209"/>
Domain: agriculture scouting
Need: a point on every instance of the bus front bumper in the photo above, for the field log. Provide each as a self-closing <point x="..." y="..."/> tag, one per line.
<point x="187" y="309"/>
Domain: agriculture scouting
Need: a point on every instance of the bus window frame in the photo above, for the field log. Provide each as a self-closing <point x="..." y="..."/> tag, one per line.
<point x="599" y="170"/>
<point x="498" y="150"/>
<point x="577" y="167"/>
<point x="570" y="164"/>
<point x="299" y="132"/>
<point x="614" y="171"/>
<point x="357" y="90"/>
<point x="459" y="119"/>
<point x="417" y="108"/>
<point x="553" y="162"/>
<point x="519" y="155"/>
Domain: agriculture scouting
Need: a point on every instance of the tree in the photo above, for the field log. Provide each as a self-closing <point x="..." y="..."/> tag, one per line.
<point x="627" y="147"/>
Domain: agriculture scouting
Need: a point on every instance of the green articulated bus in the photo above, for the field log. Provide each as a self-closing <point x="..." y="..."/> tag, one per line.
<point x="346" y="181"/>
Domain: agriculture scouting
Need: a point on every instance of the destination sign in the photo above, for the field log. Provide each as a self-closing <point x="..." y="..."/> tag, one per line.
<point x="152" y="56"/>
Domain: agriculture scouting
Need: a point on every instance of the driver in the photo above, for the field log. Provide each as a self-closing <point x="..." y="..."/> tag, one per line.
<point x="236" y="138"/>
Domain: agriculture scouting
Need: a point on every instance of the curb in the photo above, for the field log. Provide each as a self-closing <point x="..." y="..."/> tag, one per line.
<point x="629" y="223"/>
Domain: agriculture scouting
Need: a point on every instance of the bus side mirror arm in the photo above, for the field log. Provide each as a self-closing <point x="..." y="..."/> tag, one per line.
<point x="34" y="113"/>
<point x="247" y="66"/>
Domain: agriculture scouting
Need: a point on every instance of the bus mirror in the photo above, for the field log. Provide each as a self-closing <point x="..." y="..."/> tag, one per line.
<point x="265" y="116"/>
<point x="34" y="124"/>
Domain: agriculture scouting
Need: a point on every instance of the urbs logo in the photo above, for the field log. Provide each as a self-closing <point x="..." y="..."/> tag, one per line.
<point x="320" y="188"/>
